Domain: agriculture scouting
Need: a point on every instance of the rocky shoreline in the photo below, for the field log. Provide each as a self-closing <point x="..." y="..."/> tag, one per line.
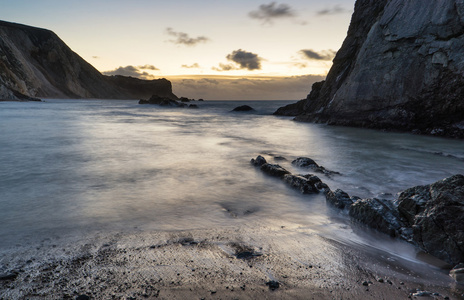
<point x="430" y="217"/>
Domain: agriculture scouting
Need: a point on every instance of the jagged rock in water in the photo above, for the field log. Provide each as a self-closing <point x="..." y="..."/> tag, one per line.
<point x="305" y="162"/>
<point x="274" y="170"/>
<point x="400" y="67"/>
<point x="308" y="163"/>
<point x="303" y="184"/>
<point x="339" y="199"/>
<point x="259" y="161"/>
<point x="436" y="214"/>
<point x="35" y="62"/>
<point x="379" y="214"/>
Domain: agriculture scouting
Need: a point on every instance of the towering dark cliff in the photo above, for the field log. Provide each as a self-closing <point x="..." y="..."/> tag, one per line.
<point x="37" y="63"/>
<point x="400" y="67"/>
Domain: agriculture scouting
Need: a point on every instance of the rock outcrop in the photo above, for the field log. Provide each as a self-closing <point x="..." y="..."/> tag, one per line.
<point x="430" y="216"/>
<point x="306" y="184"/>
<point x="400" y="68"/>
<point x="35" y="62"/>
<point x="435" y="213"/>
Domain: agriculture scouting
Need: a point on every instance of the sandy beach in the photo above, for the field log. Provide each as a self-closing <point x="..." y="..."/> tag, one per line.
<point x="253" y="261"/>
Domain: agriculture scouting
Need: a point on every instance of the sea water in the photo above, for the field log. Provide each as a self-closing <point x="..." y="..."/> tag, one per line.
<point x="76" y="168"/>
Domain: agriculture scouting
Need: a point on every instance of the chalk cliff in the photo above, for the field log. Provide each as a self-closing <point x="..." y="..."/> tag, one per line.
<point x="401" y="67"/>
<point x="35" y="62"/>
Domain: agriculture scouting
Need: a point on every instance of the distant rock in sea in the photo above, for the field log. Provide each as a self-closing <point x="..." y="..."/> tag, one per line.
<point x="243" y="108"/>
<point x="399" y="68"/>
<point x="35" y="62"/>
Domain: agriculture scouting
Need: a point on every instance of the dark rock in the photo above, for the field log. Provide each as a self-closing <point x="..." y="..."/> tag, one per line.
<point x="379" y="214"/>
<point x="243" y="108"/>
<point x="303" y="184"/>
<point x="339" y="199"/>
<point x="308" y="163"/>
<point x="259" y="161"/>
<point x="201" y="99"/>
<point x="273" y="285"/>
<point x="292" y="110"/>
<point x="457" y="273"/>
<point x="193" y="106"/>
<point x="245" y="252"/>
<point x="436" y="214"/>
<point x="163" y="101"/>
<point x="305" y="162"/>
<point x="274" y="170"/>
<point x="8" y="276"/>
<point x="184" y="99"/>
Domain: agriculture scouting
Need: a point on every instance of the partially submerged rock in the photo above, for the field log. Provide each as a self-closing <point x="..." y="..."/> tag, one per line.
<point x="339" y="199"/>
<point x="274" y="170"/>
<point x="165" y="101"/>
<point x="306" y="184"/>
<point x="243" y="108"/>
<point x="378" y="214"/>
<point x="436" y="214"/>
<point x="308" y="163"/>
<point x="259" y="161"/>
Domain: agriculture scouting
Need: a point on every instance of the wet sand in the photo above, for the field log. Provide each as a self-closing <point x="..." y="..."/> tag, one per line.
<point x="251" y="261"/>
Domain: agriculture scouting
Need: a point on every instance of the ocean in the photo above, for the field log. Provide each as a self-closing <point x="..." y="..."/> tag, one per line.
<point x="72" y="169"/>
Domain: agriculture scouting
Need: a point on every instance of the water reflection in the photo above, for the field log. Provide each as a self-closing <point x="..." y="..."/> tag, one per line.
<point x="80" y="167"/>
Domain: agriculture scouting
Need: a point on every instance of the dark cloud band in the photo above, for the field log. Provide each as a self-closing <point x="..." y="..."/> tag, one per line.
<point x="321" y="55"/>
<point x="268" y="12"/>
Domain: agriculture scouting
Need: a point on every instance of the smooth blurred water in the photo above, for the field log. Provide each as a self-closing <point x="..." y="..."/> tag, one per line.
<point x="79" y="167"/>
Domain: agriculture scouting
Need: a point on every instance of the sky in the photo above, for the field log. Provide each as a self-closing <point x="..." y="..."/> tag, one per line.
<point x="217" y="50"/>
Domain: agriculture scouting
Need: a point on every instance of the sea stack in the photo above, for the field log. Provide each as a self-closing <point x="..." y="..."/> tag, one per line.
<point x="400" y="67"/>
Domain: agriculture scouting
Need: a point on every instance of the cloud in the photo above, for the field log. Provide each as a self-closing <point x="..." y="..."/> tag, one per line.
<point x="194" y="66"/>
<point x="337" y="9"/>
<point x="225" y="67"/>
<point x="321" y="55"/>
<point x="246" y="60"/>
<point x="183" y="38"/>
<point x="223" y="87"/>
<point x="268" y="12"/>
<point x="148" y="67"/>
<point x="133" y="71"/>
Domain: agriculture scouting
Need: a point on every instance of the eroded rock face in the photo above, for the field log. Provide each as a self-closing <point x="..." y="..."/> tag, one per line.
<point x="400" y="67"/>
<point x="339" y="199"/>
<point x="379" y="214"/>
<point x="308" y="163"/>
<point x="436" y="214"/>
<point x="35" y="62"/>
<point x="306" y="184"/>
<point x="274" y="170"/>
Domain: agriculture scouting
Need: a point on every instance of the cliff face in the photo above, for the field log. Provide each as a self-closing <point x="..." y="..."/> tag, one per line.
<point x="400" y="67"/>
<point x="35" y="62"/>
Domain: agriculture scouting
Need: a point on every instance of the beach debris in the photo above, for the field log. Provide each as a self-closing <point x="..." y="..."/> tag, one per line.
<point x="273" y="285"/>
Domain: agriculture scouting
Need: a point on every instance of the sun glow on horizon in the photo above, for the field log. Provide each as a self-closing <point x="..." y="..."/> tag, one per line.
<point x="180" y="38"/>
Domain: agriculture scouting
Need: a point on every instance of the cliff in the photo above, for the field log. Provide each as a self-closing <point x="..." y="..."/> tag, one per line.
<point x="35" y="62"/>
<point x="400" y="67"/>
